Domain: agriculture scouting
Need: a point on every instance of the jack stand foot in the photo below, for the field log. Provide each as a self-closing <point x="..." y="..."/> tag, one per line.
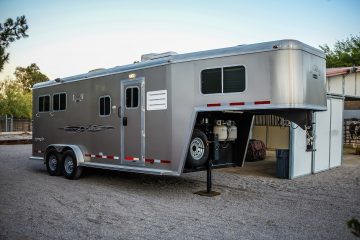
<point x="205" y="193"/>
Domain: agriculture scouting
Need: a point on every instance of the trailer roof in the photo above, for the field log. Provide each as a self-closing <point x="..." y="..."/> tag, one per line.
<point x="215" y="53"/>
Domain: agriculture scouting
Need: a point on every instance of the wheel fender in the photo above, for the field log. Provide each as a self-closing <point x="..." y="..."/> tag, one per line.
<point x="76" y="149"/>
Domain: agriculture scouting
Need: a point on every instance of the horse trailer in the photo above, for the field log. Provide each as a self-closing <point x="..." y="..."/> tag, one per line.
<point x="173" y="113"/>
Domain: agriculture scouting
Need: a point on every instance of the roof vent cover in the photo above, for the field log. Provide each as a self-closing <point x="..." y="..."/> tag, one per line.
<point x="152" y="56"/>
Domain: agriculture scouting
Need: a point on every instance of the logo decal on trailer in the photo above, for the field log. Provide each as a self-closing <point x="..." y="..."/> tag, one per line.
<point x="86" y="128"/>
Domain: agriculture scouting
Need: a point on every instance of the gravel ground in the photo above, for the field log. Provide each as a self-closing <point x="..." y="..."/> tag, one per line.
<point x="115" y="205"/>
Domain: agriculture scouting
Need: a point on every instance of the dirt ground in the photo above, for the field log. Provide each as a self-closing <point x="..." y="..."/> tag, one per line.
<point x="115" y="205"/>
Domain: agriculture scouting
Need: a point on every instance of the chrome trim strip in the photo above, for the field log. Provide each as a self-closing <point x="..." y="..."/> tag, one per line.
<point x="129" y="168"/>
<point x="36" y="158"/>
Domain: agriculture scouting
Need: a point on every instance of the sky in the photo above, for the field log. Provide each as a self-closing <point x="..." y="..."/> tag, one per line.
<point x="69" y="37"/>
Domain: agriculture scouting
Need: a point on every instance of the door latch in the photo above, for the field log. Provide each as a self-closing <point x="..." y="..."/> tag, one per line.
<point x="124" y="121"/>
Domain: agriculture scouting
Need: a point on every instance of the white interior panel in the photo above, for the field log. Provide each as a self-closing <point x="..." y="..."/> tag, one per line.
<point x="350" y="85"/>
<point x="357" y="80"/>
<point x="335" y="85"/>
<point x="322" y="140"/>
<point x="300" y="159"/>
<point x="336" y="130"/>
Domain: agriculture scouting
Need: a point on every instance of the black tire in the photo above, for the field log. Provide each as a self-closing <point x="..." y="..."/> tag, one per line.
<point x="199" y="148"/>
<point x="53" y="163"/>
<point x="69" y="165"/>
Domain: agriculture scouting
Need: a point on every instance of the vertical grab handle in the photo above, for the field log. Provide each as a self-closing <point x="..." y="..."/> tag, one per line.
<point x="119" y="112"/>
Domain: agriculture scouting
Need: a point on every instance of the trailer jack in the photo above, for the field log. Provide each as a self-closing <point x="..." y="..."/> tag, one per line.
<point x="209" y="192"/>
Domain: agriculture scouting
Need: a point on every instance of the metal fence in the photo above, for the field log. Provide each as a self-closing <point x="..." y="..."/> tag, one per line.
<point x="269" y="120"/>
<point x="10" y="124"/>
<point x="352" y="131"/>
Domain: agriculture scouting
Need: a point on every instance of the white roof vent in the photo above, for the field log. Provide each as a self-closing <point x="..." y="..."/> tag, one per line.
<point x="152" y="56"/>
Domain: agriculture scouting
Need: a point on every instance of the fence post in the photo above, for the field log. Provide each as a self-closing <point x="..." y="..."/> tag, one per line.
<point x="6" y="128"/>
<point x="12" y="123"/>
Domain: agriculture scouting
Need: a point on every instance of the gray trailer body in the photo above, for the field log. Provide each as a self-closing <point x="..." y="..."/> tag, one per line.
<point x="149" y="129"/>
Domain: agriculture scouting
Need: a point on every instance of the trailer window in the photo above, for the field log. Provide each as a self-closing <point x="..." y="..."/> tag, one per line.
<point x="223" y="80"/>
<point x="44" y="103"/>
<point x="132" y="97"/>
<point x="211" y="81"/>
<point x="234" y="79"/>
<point x="59" y="101"/>
<point x="105" y="106"/>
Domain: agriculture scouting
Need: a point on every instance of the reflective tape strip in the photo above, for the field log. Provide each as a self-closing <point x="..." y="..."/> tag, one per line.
<point x="214" y="104"/>
<point x="262" y="102"/>
<point x="127" y="158"/>
<point x="101" y="156"/>
<point x="152" y="161"/>
<point x="239" y="103"/>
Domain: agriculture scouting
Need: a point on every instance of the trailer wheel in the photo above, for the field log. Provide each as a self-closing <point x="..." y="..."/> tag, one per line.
<point x="198" y="150"/>
<point x="70" y="168"/>
<point x="53" y="163"/>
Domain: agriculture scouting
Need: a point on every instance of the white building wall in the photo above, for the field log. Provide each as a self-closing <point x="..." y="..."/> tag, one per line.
<point x="300" y="159"/>
<point x="334" y="85"/>
<point x="336" y="132"/>
<point x="322" y="140"/>
<point x="357" y="78"/>
<point x="349" y="85"/>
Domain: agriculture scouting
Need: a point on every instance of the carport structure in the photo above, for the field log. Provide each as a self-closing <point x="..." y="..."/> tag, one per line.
<point x="343" y="103"/>
<point x="345" y="82"/>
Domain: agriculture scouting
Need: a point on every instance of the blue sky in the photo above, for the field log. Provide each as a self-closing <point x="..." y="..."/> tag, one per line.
<point x="72" y="37"/>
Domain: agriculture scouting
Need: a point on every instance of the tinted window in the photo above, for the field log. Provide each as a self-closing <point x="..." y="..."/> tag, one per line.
<point x="132" y="97"/>
<point x="135" y="98"/>
<point x="223" y="80"/>
<point x="234" y="79"/>
<point x="41" y="104"/>
<point x="44" y="103"/>
<point x="105" y="106"/>
<point x="128" y="97"/>
<point x="59" y="101"/>
<point x="211" y="81"/>
<point x="62" y="101"/>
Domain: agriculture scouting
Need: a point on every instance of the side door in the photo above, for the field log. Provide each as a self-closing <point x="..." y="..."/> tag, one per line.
<point x="133" y="122"/>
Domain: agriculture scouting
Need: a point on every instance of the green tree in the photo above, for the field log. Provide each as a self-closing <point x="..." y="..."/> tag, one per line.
<point x="346" y="53"/>
<point x="30" y="75"/>
<point x="9" y="32"/>
<point x="16" y="95"/>
<point x="14" y="100"/>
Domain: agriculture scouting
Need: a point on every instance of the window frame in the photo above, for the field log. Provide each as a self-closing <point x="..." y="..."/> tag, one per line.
<point x="129" y="87"/>
<point x="38" y="108"/>
<point x="58" y="93"/>
<point x="222" y="79"/>
<point x="104" y="96"/>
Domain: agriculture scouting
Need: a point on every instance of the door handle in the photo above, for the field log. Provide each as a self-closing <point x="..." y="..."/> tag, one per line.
<point x="124" y="121"/>
<point x="119" y="112"/>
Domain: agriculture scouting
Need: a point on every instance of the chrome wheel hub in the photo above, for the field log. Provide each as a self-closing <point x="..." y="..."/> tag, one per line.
<point x="52" y="163"/>
<point x="68" y="165"/>
<point x="197" y="148"/>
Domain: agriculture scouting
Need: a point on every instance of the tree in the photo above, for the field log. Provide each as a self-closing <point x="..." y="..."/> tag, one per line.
<point x="15" y="94"/>
<point x="346" y="53"/>
<point x="30" y="75"/>
<point x="14" y="100"/>
<point x="9" y="32"/>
